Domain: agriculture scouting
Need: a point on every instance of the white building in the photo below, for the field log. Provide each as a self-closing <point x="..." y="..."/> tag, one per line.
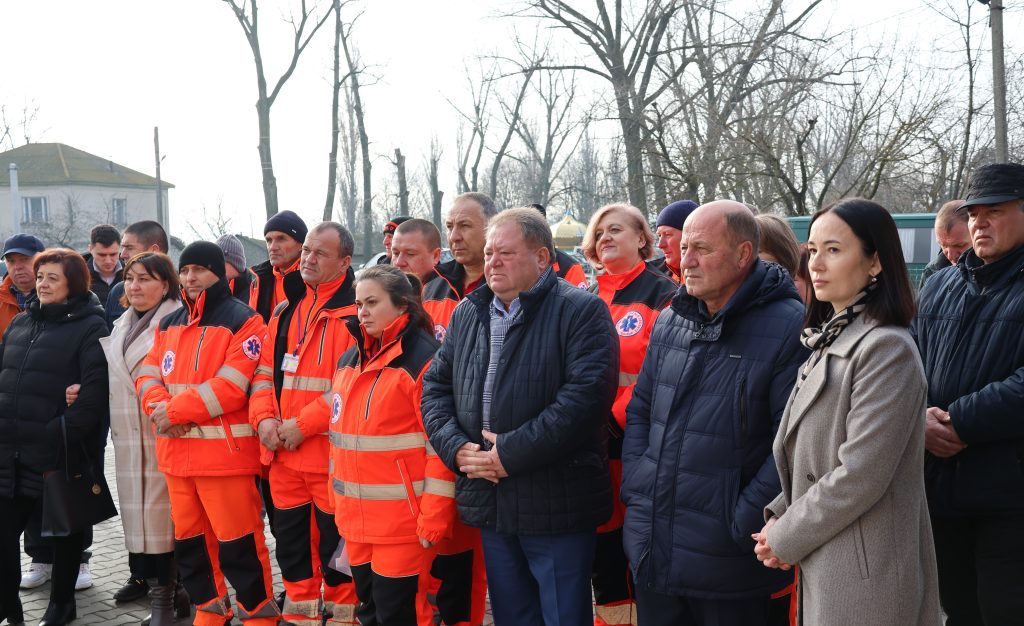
<point x="61" y="192"/>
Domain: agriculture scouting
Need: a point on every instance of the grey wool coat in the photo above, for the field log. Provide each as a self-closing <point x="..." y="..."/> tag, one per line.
<point x="852" y="513"/>
<point x="141" y="487"/>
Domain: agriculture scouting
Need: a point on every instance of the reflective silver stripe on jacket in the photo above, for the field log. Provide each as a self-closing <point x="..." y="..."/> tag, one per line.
<point x="210" y="399"/>
<point x="238" y="379"/>
<point x="307" y="383"/>
<point x="377" y="443"/>
<point x="209" y="431"/>
<point x="626" y="379"/>
<point x="260" y="385"/>
<point x="438" y="487"/>
<point x="375" y="492"/>
<point x="263" y="370"/>
<point x="150" y="370"/>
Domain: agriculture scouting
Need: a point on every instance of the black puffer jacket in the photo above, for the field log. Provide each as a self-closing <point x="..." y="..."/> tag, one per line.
<point x="44" y="350"/>
<point x="554" y="387"/>
<point x="970" y="331"/>
<point x="697" y="465"/>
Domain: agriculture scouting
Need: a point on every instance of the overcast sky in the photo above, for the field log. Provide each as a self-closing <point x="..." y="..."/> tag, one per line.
<point x="104" y="73"/>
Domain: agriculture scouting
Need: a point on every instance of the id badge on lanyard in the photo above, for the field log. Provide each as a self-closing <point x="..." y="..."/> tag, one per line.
<point x="289" y="363"/>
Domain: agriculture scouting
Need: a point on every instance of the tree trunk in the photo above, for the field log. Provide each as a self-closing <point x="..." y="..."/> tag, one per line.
<point x="332" y="159"/>
<point x="435" y="191"/>
<point x="266" y="161"/>
<point x="364" y="149"/>
<point x="403" y="185"/>
<point x="632" y="139"/>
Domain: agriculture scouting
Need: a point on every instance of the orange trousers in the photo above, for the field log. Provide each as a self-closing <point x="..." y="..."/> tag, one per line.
<point x="306" y="539"/>
<point x="218" y="533"/>
<point x="392" y="582"/>
<point x="459" y="583"/>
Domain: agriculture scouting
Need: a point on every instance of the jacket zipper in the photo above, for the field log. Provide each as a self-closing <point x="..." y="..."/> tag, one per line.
<point x="323" y="334"/>
<point x="743" y="412"/>
<point x="21" y="370"/>
<point x="199" y="349"/>
<point x="369" y="396"/>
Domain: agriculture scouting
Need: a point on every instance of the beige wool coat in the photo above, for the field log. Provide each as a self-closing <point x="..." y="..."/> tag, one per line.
<point x="141" y="488"/>
<point x="852" y="513"/>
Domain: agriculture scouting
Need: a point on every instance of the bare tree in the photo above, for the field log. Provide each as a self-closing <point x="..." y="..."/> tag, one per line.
<point x="348" y="185"/>
<point x="304" y="27"/>
<point x="355" y="73"/>
<point x="471" y="149"/>
<point x="403" y="183"/>
<point x="512" y="112"/>
<point x="629" y="45"/>
<point x="336" y="86"/>
<point x="17" y="128"/>
<point x="212" y="225"/>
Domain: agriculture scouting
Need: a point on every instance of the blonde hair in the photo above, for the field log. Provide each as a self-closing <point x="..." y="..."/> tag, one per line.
<point x="634" y="218"/>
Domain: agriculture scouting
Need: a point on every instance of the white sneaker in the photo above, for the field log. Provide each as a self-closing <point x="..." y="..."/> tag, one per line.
<point x="84" y="577"/>
<point x="37" y="574"/>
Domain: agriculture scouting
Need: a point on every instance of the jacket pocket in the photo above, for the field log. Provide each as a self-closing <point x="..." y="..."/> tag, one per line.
<point x="859" y="548"/>
<point x="410" y="491"/>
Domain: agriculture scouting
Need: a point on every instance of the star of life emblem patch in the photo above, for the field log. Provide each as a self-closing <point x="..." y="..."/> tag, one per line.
<point x="251" y="347"/>
<point x="167" y="363"/>
<point x="440" y="332"/>
<point x="630" y="324"/>
<point x="335" y="408"/>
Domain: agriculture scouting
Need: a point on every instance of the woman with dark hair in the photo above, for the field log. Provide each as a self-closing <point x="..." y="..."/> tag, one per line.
<point x="394" y="498"/>
<point x="151" y="291"/>
<point x="850" y="448"/>
<point x="778" y="243"/>
<point x="619" y="241"/>
<point x="802" y="278"/>
<point x="55" y="343"/>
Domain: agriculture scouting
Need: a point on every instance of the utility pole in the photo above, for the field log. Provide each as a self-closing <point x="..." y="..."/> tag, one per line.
<point x="998" y="78"/>
<point x="159" y="191"/>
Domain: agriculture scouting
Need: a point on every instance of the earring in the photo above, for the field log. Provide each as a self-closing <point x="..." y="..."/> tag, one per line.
<point x="874" y="278"/>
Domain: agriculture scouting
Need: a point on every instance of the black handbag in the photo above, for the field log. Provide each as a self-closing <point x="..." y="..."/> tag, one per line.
<point x="74" y="502"/>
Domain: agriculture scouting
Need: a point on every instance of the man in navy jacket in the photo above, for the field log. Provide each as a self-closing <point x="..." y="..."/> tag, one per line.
<point x="697" y="462"/>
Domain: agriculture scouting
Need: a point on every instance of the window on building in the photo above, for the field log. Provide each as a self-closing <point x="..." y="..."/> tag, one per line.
<point x="119" y="211"/>
<point x="35" y="210"/>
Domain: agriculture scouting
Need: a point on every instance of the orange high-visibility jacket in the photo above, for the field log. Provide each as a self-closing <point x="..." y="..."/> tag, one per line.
<point x="267" y="286"/>
<point x="635" y="299"/>
<point x="442" y="294"/>
<point x="201" y="364"/>
<point x="569" y="269"/>
<point x="317" y="316"/>
<point x="388" y="484"/>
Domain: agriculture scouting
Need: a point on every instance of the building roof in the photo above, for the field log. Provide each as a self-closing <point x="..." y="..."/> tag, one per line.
<point x="41" y="164"/>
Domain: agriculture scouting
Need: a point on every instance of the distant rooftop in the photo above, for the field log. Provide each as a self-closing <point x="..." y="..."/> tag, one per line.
<point x="41" y="164"/>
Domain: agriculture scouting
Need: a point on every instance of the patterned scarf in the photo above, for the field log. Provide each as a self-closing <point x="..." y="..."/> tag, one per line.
<point x="817" y="339"/>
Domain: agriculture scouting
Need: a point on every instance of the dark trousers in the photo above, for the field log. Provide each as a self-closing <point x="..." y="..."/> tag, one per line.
<point x="656" y="609"/>
<point x="981" y="569"/>
<point x="539" y="579"/>
<point x="66" y="551"/>
<point x="40" y="549"/>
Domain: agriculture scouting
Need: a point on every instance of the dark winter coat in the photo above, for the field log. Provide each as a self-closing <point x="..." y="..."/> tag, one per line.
<point x="697" y="463"/>
<point x="100" y="286"/>
<point x="552" y="394"/>
<point x="44" y="350"/>
<point x="970" y="331"/>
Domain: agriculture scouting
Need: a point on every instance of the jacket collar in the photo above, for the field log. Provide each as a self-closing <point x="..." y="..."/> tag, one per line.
<point x="374" y="354"/>
<point x="340" y="290"/>
<point x="973" y="269"/>
<point x="208" y="300"/>
<point x="613" y="282"/>
<point x="766" y="282"/>
<point x="530" y="300"/>
<point x="75" y="308"/>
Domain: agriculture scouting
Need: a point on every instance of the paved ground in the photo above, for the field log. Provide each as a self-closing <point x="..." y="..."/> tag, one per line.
<point x="110" y="570"/>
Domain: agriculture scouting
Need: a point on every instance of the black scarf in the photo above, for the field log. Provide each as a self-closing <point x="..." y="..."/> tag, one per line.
<point x="817" y="339"/>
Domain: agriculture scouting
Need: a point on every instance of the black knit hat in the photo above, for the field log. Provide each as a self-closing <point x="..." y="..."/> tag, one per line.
<point x="203" y="254"/>
<point x="288" y="223"/>
<point x="389" y="228"/>
<point x="995" y="183"/>
<point x="675" y="214"/>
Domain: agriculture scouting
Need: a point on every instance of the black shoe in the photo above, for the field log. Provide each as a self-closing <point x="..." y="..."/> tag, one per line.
<point x="182" y="603"/>
<point x="12" y="612"/>
<point x="132" y="590"/>
<point x="59" y="614"/>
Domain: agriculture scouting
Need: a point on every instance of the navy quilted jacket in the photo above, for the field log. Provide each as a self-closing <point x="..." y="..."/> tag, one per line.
<point x="970" y="331"/>
<point x="697" y="462"/>
<point x="553" y="391"/>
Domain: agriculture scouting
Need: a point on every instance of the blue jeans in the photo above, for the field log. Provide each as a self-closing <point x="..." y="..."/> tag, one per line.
<point x="539" y="579"/>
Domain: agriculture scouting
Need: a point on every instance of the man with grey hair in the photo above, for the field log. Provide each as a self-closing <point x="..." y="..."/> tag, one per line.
<point x="516" y="403"/>
<point x="699" y="429"/>
<point x="306" y="336"/>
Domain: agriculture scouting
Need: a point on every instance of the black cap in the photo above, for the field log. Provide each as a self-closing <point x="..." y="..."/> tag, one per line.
<point x="29" y="245"/>
<point x="995" y="183"/>
<point x="203" y="254"/>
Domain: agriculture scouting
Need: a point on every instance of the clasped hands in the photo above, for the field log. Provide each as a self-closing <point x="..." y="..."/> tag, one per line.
<point x="276" y="433"/>
<point x="940" y="438"/>
<point x="764" y="552"/>
<point x="475" y="462"/>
